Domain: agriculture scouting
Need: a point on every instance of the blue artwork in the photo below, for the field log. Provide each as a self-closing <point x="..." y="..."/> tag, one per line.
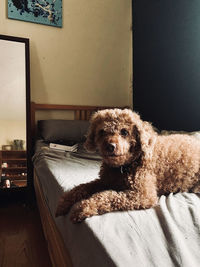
<point x="38" y="11"/>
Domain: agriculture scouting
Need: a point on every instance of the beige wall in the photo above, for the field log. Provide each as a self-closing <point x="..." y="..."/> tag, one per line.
<point x="87" y="61"/>
<point x="12" y="129"/>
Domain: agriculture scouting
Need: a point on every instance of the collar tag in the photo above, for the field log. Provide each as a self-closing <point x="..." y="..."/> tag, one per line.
<point x="121" y="170"/>
<point x="124" y="169"/>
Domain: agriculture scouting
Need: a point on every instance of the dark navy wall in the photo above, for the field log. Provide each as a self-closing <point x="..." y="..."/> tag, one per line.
<point x="166" y="62"/>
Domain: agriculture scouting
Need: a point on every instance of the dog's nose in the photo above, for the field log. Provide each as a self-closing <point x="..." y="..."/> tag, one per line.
<point x="111" y="147"/>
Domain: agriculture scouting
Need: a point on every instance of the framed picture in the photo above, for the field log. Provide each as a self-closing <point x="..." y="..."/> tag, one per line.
<point x="37" y="11"/>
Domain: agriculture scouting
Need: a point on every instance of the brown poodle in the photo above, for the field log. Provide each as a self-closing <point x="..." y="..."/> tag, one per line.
<point x="138" y="166"/>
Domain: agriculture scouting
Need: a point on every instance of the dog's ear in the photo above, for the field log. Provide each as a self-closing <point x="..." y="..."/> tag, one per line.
<point x="90" y="140"/>
<point x="145" y="134"/>
<point x="90" y="143"/>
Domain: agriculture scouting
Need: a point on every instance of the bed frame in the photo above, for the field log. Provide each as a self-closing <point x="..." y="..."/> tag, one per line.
<point x="56" y="247"/>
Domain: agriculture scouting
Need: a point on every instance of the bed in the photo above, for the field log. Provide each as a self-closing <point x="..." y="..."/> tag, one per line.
<point x="167" y="235"/>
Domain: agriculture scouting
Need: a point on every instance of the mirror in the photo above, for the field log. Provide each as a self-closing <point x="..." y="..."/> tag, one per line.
<point x="14" y="111"/>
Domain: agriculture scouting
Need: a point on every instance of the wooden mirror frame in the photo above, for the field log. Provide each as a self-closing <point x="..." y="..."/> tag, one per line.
<point x="28" y="123"/>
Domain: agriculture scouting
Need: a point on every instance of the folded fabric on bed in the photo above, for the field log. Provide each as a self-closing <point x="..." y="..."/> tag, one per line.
<point x="165" y="236"/>
<point x="80" y="153"/>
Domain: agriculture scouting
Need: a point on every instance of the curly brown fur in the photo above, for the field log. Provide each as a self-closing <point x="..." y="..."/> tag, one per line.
<point x="138" y="166"/>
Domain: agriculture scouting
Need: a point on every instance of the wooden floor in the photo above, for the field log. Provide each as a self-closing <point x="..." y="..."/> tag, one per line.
<point x="22" y="242"/>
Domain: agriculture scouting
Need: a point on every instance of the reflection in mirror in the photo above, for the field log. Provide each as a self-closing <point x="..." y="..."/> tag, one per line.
<point x="13" y="147"/>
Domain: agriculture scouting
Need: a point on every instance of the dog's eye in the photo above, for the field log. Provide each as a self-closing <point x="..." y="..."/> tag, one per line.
<point x="124" y="132"/>
<point x="102" y="132"/>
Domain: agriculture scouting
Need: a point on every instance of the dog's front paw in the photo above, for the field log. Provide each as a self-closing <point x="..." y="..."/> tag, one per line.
<point x="78" y="214"/>
<point x="81" y="211"/>
<point x="78" y="217"/>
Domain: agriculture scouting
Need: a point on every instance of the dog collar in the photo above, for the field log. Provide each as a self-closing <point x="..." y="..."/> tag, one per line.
<point x="125" y="168"/>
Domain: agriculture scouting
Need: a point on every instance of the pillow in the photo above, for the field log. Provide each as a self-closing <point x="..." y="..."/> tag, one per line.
<point x="62" y="131"/>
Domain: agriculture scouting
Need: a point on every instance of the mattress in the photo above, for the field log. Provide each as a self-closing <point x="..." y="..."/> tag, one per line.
<point x="164" y="236"/>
